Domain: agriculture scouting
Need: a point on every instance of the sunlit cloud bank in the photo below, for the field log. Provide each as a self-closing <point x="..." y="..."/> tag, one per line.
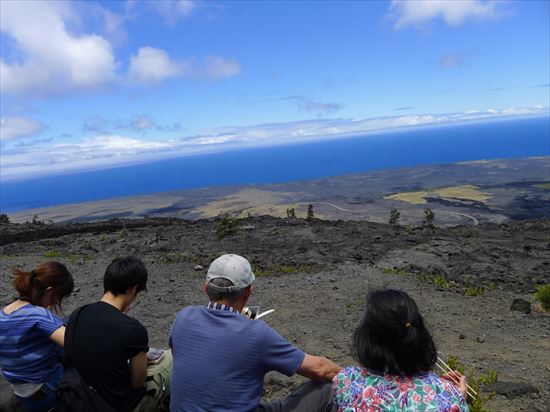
<point x="108" y="150"/>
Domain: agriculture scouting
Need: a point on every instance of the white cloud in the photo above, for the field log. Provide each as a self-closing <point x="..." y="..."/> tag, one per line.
<point x="152" y="65"/>
<point x="16" y="127"/>
<point x="418" y="13"/>
<point x="217" y="67"/>
<point x="48" y="59"/>
<point x="113" y="150"/>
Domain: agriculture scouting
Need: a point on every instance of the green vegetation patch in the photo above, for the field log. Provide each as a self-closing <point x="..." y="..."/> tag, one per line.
<point x="395" y="271"/>
<point x="227" y="226"/>
<point x="441" y="282"/>
<point x="52" y="253"/>
<point x="474" y="290"/>
<point x="479" y="404"/>
<point x="542" y="295"/>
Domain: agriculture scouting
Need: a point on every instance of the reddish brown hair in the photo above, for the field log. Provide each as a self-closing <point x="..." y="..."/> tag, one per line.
<point x="32" y="285"/>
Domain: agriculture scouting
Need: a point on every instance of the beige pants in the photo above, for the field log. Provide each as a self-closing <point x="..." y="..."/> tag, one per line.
<point x="157" y="384"/>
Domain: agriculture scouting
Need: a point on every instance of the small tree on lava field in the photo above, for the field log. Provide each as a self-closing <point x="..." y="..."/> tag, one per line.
<point x="310" y="215"/>
<point x="429" y="218"/>
<point x="394" y="217"/>
<point x="291" y="213"/>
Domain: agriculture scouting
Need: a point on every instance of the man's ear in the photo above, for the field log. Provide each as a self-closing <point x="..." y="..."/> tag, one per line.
<point x="205" y="287"/>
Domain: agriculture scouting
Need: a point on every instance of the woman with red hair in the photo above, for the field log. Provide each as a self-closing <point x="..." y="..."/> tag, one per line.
<point x="31" y="336"/>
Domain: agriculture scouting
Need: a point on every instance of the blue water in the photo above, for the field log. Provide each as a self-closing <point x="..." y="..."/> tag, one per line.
<point x="441" y="144"/>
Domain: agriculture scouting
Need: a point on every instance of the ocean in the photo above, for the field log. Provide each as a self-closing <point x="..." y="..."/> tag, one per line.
<point x="508" y="138"/>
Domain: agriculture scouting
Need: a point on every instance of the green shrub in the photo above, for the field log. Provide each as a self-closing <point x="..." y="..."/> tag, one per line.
<point x="474" y="290"/>
<point x="479" y="403"/>
<point x="4" y="218"/>
<point x="226" y="226"/>
<point x="395" y="271"/>
<point x="543" y="296"/>
<point x="441" y="282"/>
<point x="394" y="217"/>
<point x="291" y="213"/>
<point x="52" y="253"/>
<point x="429" y="218"/>
<point x="310" y="215"/>
<point x="123" y="233"/>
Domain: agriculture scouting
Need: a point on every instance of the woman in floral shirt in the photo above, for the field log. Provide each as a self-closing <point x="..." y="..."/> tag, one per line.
<point x="396" y="354"/>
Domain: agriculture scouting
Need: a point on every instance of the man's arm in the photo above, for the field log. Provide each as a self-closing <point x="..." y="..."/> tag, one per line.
<point x="318" y="368"/>
<point x="138" y="370"/>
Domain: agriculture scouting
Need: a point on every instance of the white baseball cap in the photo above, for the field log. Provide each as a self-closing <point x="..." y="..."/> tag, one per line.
<point x="234" y="268"/>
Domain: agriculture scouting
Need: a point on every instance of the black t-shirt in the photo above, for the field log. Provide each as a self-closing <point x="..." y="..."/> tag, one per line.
<point x="104" y="341"/>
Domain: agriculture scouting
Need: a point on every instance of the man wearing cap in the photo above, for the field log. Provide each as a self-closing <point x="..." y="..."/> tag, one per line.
<point x="221" y="357"/>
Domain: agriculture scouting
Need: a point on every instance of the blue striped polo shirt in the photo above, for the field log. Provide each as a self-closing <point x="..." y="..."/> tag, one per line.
<point x="27" y="355"/>
<point x="221" y="357"/>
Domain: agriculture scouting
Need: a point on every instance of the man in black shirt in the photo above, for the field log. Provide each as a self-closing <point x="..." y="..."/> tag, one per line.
<point x="110" y="348"/>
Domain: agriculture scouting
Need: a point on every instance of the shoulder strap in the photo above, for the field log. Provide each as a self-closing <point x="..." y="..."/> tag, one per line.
<point x="70" y="332"/>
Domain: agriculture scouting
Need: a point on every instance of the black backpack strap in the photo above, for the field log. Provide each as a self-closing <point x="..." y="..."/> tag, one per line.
<point x="70" y="333"/>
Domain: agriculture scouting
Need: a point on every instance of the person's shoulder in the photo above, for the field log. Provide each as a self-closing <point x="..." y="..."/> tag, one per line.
<point x="191" y="310"/>
<point x="259" y="327"/>
<point x="38" y="311"/>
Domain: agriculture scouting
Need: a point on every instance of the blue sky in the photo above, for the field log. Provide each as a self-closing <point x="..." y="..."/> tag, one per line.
<point x="87" y="85"/>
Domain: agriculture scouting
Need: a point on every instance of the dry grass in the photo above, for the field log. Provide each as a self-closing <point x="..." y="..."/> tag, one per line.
<point x="463" y="192"/>
<point x="245" y="201"/>
<point x="415" y="198"/>
<point x="543" y="186"/>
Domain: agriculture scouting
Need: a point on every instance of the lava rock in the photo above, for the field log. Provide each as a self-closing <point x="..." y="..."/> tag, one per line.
<point x="511" y="389"/>
<point x="521" y="305"/>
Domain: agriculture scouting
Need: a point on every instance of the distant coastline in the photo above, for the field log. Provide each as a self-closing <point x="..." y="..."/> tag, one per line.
<point x="513" y="138"/>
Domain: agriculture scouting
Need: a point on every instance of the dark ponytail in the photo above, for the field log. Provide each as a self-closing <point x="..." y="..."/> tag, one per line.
<point x="32" y="285"/>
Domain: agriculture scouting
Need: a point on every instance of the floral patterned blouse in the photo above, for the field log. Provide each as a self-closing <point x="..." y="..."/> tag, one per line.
<point x="355" y="389"/>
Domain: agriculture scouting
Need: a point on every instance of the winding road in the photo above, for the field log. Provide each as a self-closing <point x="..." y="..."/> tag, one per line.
<point x="474" y="220"/>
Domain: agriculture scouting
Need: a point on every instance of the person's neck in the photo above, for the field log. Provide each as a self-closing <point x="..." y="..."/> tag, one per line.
<point x="118" y="301"/>
<point x="238" y="306"/>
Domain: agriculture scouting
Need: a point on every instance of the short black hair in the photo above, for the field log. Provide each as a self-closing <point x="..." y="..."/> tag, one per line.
<point x="124" y="273"/>
<point x="392" y="337"/>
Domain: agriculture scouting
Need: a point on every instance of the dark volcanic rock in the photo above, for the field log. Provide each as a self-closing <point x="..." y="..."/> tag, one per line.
<point x="316" y="275"/>
<point x="511" y="389"/>
<point x="521" y="305"/>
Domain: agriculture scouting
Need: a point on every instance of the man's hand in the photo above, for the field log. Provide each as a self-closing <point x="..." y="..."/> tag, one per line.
<point x="318" y="368"/>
